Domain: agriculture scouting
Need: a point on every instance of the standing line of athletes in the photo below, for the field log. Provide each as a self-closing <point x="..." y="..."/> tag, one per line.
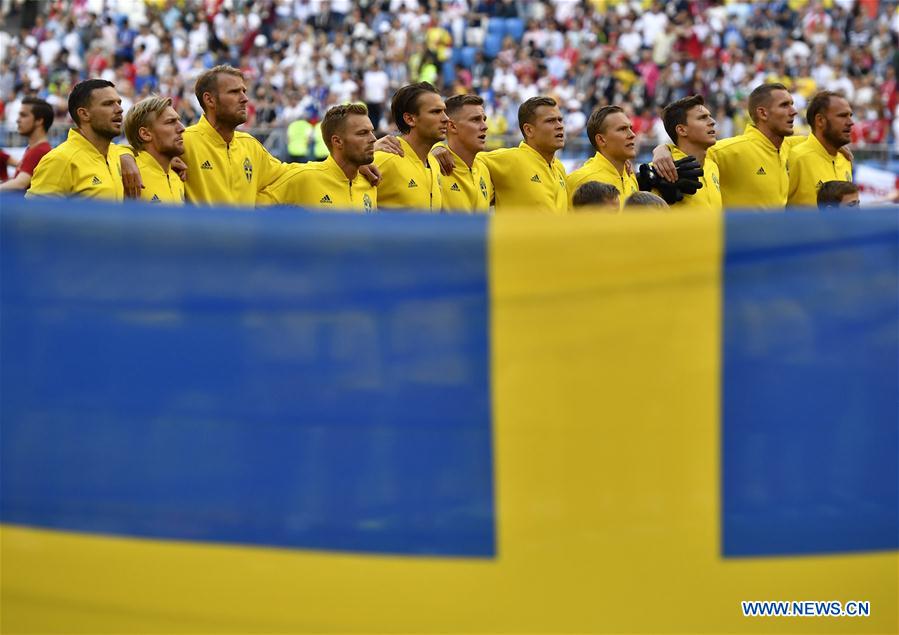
<point x="438" y="161"/>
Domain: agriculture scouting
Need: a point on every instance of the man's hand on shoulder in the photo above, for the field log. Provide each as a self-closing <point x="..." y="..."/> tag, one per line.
<point x="131" y="179"/>
<point x="663" y="163"/>
<point x="444" y="159"/>
<point x="180" y="168"/>
<point x="389" y="144"/>
<point x="371" y="173"/>
<point x="846" y="152"/>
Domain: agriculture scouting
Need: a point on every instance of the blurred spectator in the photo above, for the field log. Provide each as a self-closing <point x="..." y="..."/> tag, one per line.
<point x="303" y="53"/>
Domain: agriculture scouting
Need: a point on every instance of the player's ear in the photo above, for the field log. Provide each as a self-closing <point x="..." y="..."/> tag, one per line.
<point x="528" y="130"/>
<point x="451" y="125"/>
<point x="409" y="118"/>
<point x="144" y="135"/>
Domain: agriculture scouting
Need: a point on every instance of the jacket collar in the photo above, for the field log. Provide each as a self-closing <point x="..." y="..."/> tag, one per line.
<point x="79" y="140"/>
<point x="819" y="147"/>
<point x="208" y="130"/>
<point x="602" y="163"/>
<point x="523" y="145"/>
<point x="409" y="152"/>
<point x="758" y="136"/>
<point x="336" y="170"/>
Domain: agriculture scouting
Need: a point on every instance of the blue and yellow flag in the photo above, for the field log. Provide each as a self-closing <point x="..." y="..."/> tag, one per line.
<point x="215" y="421"/>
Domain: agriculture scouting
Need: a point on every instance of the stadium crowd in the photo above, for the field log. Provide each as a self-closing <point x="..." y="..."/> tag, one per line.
<point x="303" y="56"/>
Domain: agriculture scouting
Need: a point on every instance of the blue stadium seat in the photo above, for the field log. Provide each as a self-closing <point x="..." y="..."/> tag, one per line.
<point x="448" y="72"/>
<point x="493" y="43"/>
<point x="496" y="26"/>
<point x="468" y="53"/>
<point x="515" y="28"/>
<point x="456" y="56"/>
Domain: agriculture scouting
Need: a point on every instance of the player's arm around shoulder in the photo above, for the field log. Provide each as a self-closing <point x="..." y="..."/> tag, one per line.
<point x="500" y="163"/>
<point x="284" y="190"/>
<point x="270" y="168"/>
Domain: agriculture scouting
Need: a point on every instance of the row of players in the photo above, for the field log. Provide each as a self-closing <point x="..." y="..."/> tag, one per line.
<point x="438" y="162"/>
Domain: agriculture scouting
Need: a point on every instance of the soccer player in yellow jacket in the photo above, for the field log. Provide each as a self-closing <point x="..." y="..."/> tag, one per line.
<point x="155" y="132"/>
<point x="612" y="136"/>
<point x="530" y="178"/>
<point x="818" y="159"/>
<point x="469" y="187"/>
<point x="225" y="166"/>
<point x="692" y="129"/>
<point x="411" y="180"/>
<point x="87" y="163"/>
<point x="753" y="166"/>
<point x="335" y="183"/>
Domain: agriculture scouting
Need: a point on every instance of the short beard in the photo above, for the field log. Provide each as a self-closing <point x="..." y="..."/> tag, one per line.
<point x="833" y="137"/>
<point x="172" y="152"/>
<point x="362" y="159"/>
<point x="231" y="121"/>
<point x="107" y="133"/>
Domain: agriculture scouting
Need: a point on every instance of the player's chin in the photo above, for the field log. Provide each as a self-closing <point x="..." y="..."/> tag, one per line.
<point x="368" y="158"/>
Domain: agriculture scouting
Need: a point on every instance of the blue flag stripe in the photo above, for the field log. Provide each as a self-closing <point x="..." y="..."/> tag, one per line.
<point x="239" y="379"/>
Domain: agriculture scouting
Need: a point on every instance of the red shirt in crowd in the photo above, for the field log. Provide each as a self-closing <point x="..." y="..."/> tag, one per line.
<point x="32" y="157"/>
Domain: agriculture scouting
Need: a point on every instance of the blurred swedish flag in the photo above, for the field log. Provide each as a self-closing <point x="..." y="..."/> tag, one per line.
<point x="281" y="422"/>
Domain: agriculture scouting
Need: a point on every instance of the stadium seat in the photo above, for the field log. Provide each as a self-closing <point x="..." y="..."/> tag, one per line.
<point x="496" y="26"/>
<point x="493" y="43"/>
<point x="448" y="72"/>
<point x="515" y="28"/>
<point x="468" y="53"/>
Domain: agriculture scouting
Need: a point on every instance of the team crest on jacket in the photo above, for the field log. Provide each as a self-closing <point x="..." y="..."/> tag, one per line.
<point x="715" y="181"/>
<point x="366" y="202"/>
<point x="248" y="169"/>
<point x="483" y="188"/>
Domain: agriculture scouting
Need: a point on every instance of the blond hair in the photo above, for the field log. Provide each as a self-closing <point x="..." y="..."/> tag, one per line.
<point x="335" y="120"/>
<point x="141" y="115"/>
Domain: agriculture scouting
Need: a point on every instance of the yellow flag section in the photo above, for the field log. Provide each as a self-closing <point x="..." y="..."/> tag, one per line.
<point x="605" y="369"/>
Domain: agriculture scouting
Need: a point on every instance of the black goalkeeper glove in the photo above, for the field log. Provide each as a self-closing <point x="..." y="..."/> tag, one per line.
<point x="688" y="173"/>
<point x="669" y="192"/>
<point x="647" y="179"/>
